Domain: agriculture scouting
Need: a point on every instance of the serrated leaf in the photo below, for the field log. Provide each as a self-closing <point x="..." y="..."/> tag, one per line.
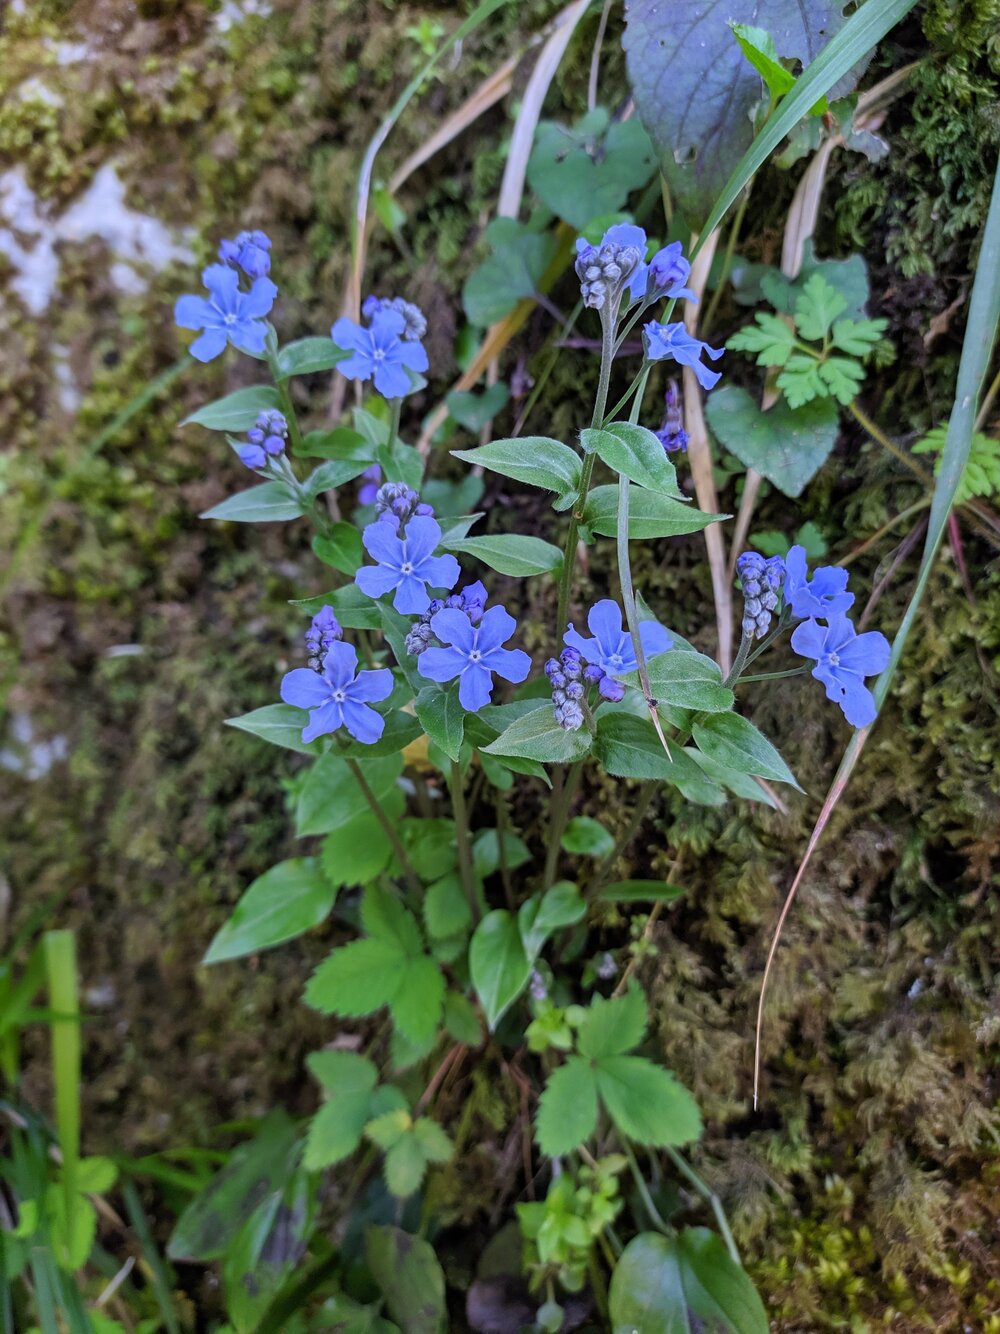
<point x="817" y="305"/>
<point x="446" y="909"/>
<point x="636" y="453"/>
<point x="271" y="502"/>
<point x="286" y="901"/>
<point x="537" y="736"/>
<point x="612" y="1027"/>
<point x="357" y="979"/>
<point x="308" y="355"/>
<point x="405" y="1166"/>
<point x="335" y="1130"/>
<point x="650" y="514"/>
<point x="498" y="964"/>
<point x="567" y="1109"/>
<point x="280" y="724"/>
<point x="537" y="460"/>
<point x="736" y="743"/>
<point x="237" y="411"/>
<point x="694" y="90"/>
<point x="509" y="553"/>
<point x="771" y="337"/>
<point x="843" y="377"/>
<point x="674" y="1285"/>
<point x="646" y="1103"/>
<point x="786" y="445"/>
<point x="801" y="382"/>
<point x="858" y="337"/>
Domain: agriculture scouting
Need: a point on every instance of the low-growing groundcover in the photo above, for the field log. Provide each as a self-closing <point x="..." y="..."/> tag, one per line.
<point x="876" y="1112"/>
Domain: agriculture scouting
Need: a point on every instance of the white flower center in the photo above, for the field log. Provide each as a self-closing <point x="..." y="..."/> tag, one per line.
<point x="475" y="655"/>
<point x="378" y="354"/>
<point x="230" y="320"/>
<point x="406" y="567"/>
<point x="616" y="660"/>
<point x="339" y="696"/>
<point x="833" y="660"/>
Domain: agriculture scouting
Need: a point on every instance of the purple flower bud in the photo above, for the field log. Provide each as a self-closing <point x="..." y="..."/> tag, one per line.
<point x="255" y="435"/>
<point x="253" y="456"/>
<point x="611" y="690"/>
<point x="569" y="715"/>
<point x="592" y="673"/>
<point x="552" y="666"/>
<point x="574" y="690"/>
<point x="274" y="444"/>
<point x="424" y="510"/>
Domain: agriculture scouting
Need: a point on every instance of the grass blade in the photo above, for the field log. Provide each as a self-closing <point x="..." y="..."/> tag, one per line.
<point x="977" y="347"/>
<point x="60" y="965"/>
<point x="860" y="34"/>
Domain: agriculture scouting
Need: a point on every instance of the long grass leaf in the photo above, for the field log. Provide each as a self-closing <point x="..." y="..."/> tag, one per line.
<point x="60" y="965"/>
<point x="977" y="347"/>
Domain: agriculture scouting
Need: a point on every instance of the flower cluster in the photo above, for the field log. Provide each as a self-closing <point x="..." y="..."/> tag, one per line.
<point x="227" y="314"/>
<point x="672" y="435"/>
<point x="565" y="674"/>
<point x="266" y="440"/>
<point x="397" y="503"/>
<point x="387" y="349"/>
<point x="324" y="631"/>
<point x="473" y="653"/>
<point x="822" y="595"/>
<point x="762" y="582"/>
<point x="250" y="251"/>
<point x="471" y="600"/>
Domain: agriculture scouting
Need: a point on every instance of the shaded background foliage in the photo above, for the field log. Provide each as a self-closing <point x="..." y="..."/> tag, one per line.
<point x="868" y="1183"/>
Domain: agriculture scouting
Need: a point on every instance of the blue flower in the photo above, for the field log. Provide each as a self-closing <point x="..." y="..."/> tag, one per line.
<point x="843" y="660"/>
<point x="673" y="342"/>
<point x="227" y="315"/>
<point x="414" y="319"/>
<point x="664" y="276"/>
<point x="371" y="480"/>
<point x="380" y="352"/>
<point x="339" y="696"/>
<point x="406" y="564"/>
<point x="824" y="595"/>
<point x="249" y="252"/>
<point x="474" y="652"/>
<point x="611" y="647"/>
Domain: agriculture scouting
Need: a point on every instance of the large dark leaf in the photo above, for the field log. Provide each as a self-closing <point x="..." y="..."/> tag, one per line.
<point x="695" y="90"/>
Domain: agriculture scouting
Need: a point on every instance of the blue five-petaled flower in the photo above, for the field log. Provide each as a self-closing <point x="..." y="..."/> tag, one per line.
<point x="672" y="342"/>
<point x="339" y="696"/>
<point x="380" y="352"/>
<point x="824" y="595"/>
<point x="474" y="652"/>
<point x="843" y="660"/>
<point x="611" y="647"/>
<point x="406" y="563"/>
<point x="227" y="314"/>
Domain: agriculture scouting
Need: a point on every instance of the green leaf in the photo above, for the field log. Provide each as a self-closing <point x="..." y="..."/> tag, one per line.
<point x="611" y="1027"/>
<point x="409" y="1278"/>
<point x="982" y="471"/>
<point x="405" y="1167"/>
<point x="848" y="276"/>
<point x="442" y="718"/>
<point x="646" y="1103"/>
<point x="758" y="47"/>
<point x="307" y="355"/>
<point x="843" y="377"/>
<point x="650" y="514"/>
<point x="735" y="742"/>
<point x="537" y="460"/>
<point x="696" y="95"/>
<point x="476" y="411"/>
<point x="461" y="1020"/>
<point x="641" y="891"/>
<point x="357" y="979"/>
<point x="336" y="1129"/>
<point x="355" y="610"/>
<point x="509" y="553"/>
<point x="801" y="381"/>
<point x="271" y="502"/>
<point x="430" y="846"/>
<point x="567" y="1110"/>
<point x="590" y="170"/>
<point x="676" y="1285"/>
<point x="786" y="445"/>
<point x="340" y="443"/>
<point x="537" y="736"/>
<point x="538" y="917"/>
<point x="330" y="796"/>
<point x="628" y="747"/>
<point x="816" y="307"/>
<point x="356" y="852"/>
<point x="687" y="680"/>
<point x="235" y="412"/>
<point x="739" y="783"/>
<point x="772" y="338"/>
<point x="587" y="837"/>
<point x="280" y="724"/>
<point x="498" y="965"/>
<point x="331" y="474"/>
<point x="858" y="337"/>
<point x="486" y="852"/>
<point x="446" y="909"/>
<point x="286" y="901"/>
<point x="340" y="548"/>
<point x="635" y="452"/>
<point x="519" y="258"/>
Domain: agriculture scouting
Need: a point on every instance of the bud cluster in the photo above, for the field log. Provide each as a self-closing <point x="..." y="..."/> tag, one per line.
<point x="471" y="600"/>
<point x="762" y="581"/>
<point x="266" y="439"/>
<point x="415" y="322"/>
<point x="395" y="502"/>
<point x="324" y="631"/>
<point x="604" y="270"/>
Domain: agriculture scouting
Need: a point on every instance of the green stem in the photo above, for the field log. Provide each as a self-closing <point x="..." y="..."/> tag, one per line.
<point x="473" y="890"/>
<point x="412" y="879"/>
<point x="560" y="815"/>
<point x="772" y="676"/>
<point x="281" y="384"/>
<point x="706" y="1191"/>
<point x="647" y="1200"/>
<point x="741" y="659"/>
<point x="396" y="404"/>
<point x="640" y="375"/>
<point x="608" y="321"/>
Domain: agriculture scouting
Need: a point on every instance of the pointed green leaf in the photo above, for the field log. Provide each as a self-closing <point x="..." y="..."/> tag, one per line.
<point x="271" y="502"/>
<point x="443" y="718"/>
<point x="308" y="355"/>
<point x="509" y="553"/>
<point x="280" y="724"/>
<point x="286" y="901"/>
<point x="567" y="1110"/>
<point x="646" y="1103"/>
<point x="611" y="1027"/>
<point x="635" y="452"/>
<point x="235" y="412"/>
<point x="498" y="964"/>
<point x="650" y="514"/>
<point x="537" y="736"/>
<point x="735" y="742"/>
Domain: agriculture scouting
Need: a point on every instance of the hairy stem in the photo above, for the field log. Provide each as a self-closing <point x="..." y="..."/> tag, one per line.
<point x="703" y="1189"/>
<point x="472" y="890"/>
<point x="388" y="828"/>
<point x="560" y="816"/>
